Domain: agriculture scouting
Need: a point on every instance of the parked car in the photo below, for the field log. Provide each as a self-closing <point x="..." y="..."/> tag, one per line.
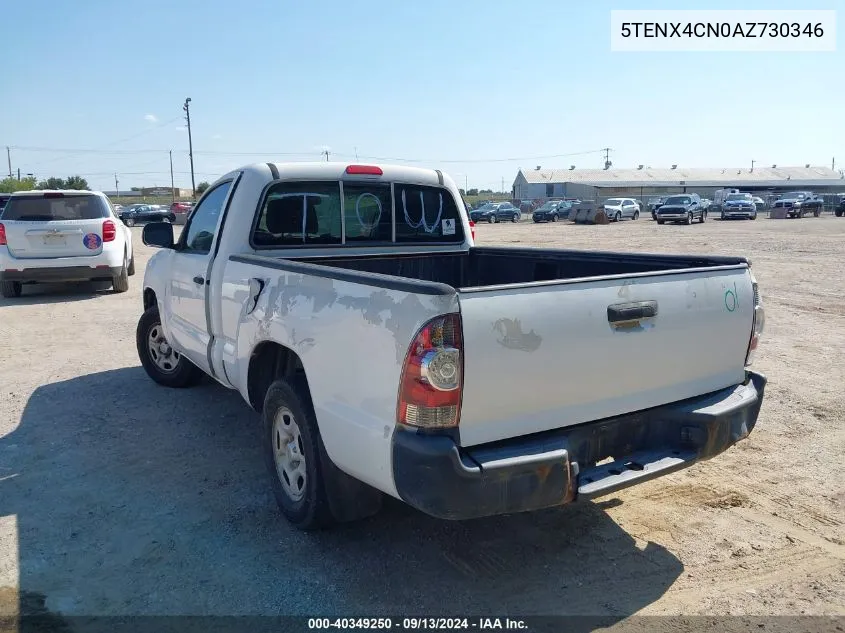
<point x="180" y="211"/>
<point x="4" y="198"/>
<point x="475" y="401"/>
<point x="136" y="213"/>
<point x="759" y="203"/>
<point x="496" y="212"/>
<point x="739" y="205"/>
<point x="840" y="208"/>
<point x="654" y="205"/>
<point x="705" y="203"/>
<point x="552" y="211"/>
<point x="62" y="236"/>
<point x="682" y="208"/>
<point x="798" y="203"/>
<point x="620" y="208"/>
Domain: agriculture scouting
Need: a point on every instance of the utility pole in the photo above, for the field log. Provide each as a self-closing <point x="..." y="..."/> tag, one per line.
<point x="116" y="187"/>
<point x="356" y="153"/>
<point x="752" y="165"/>
<point x="172" y="186"/>
<point x="503" y="184"/>
<point x="833" y="164"/>
<point x="9" y="158"/>
<point x="19" y="174"/>
<point x="607" y="162"/>
<point x="187" y="109"/>
<point x="325" y="152"/>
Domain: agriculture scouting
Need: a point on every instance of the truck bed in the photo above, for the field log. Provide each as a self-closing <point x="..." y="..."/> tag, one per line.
<point x="556" y="338"/>
<point x="491" y="266"/>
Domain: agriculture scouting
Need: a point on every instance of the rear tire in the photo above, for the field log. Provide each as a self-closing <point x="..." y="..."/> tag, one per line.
<point x="291" y="437"/>
<point x="491" y="219"/>
<point x="636" y="215"/>
<point x="183" y="373"/>
<point x="132" y="265"/>
<point x="617" y="217"/>
<point x="515" y="217"/>
<point x="554" y="217"/>
<point x="11" y="289"/>
<point x="120" y="283"/>
<point x="129" y="222"/>
<point x="703" y="217"/>
<point x="661" y="221"/>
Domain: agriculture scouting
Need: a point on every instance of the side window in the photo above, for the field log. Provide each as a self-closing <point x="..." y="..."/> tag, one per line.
<point x="203" y="223"/>
<point x="426" y="214"/>
<point x="297" y="213"/>
<point x="369" y="216"/>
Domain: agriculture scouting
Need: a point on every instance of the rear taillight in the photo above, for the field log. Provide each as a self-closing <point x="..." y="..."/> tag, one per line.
<point x="364" y="170"/>
<point x="2" y="235"/>
<point x="109" y="231"/>
<point x="472" y="229"/>
<point x="432" y="377"/>
<point x="758" y="322"/>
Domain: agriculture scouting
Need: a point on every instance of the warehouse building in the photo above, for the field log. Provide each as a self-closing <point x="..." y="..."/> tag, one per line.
<point x="645" y="182"/>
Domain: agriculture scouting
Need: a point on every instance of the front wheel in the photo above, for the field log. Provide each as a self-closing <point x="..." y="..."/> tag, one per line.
<point x="491" y="219"/>
<point x="754" y="217"/>
<point x="661" y="221"/>
<point x="617" y="217"/>
<point x="129" y="222"/>
<point x="11" y="289"/>
<point x="816" y="213"/>
<point x="162" y="363"/>
<point x="293" y="451"/>
<point x="689" y="217"/>
<point x="515" y="217"/>
<point x="554" y="217"/>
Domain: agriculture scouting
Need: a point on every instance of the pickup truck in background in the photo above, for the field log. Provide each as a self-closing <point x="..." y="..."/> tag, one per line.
<point x="798" y="203"/>
<point x="684" y="208"/>
<point x="389" y="355"/>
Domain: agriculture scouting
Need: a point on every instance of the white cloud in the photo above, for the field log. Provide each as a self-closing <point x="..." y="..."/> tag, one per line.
<point x="150" y="118"/>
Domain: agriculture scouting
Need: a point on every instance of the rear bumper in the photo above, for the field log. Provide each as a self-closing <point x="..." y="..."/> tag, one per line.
<point x="66" y="273"/>
<point x="435" y="475"/>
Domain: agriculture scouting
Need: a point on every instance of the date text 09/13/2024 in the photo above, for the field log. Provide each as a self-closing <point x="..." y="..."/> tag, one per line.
<point x="417" y="623"/>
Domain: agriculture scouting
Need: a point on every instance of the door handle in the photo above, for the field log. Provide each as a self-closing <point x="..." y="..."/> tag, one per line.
<point x="620" y="312"/>
<point x="199" y="280"/>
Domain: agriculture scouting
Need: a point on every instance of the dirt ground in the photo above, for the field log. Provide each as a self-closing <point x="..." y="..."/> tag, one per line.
<point x="120" y="497"/>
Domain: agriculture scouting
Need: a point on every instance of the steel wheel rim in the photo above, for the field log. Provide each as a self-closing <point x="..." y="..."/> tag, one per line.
<point x="289" y="454"/>
<point x="165" y="358"/>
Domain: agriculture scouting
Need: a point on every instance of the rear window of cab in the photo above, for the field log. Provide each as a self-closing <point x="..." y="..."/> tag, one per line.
<point x="298" y="213"/>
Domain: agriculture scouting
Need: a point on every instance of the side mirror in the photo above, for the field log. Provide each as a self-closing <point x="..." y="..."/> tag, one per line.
<point x="158" y="234"/>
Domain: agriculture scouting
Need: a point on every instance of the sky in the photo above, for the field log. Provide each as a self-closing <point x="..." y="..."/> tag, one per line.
<point x="96" y="88"/>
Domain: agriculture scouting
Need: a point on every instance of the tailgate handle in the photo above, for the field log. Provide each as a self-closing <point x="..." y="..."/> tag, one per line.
<point x="632" y="311"/>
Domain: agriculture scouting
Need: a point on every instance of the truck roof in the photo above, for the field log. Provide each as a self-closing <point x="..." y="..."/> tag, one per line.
<point x="337" y="170"/>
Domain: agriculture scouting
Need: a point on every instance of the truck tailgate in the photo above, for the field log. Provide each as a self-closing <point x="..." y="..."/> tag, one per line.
<point x="550" y="355"/>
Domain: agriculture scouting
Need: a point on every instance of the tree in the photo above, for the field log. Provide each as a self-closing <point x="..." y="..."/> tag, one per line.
<point x="10" y="185"/>
<point x="202" y="187"/>
<point x="76" y="182"/>
<point x="463" y="193"/>
<point x="472" y="192"/>
<point x="52" y="183"/>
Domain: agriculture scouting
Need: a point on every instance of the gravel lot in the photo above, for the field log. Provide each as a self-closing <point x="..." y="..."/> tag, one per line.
<point x="121" y="497"/>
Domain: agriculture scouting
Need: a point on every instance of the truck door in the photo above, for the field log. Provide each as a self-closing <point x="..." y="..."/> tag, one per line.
<point x="188" y="286"/>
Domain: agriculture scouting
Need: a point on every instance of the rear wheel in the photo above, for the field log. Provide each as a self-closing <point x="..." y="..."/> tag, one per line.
<point x="120" y="283"/>
<point x="817" y="213"/>
<point x="636" y="215"/>
<point x="293" y="451"/>
<point x="129" y="222"/>
<point x="515" y="217"/>
<point x="703" y="217"/>
<point x="754" y="217"/>
<point x="838" y="213"/>
<point x="661" y="221"/>
<point x="161" y="362"/>
<point x="11" y="289"/>
<point x="554" y="217"/>
<point x="132" y="265"/>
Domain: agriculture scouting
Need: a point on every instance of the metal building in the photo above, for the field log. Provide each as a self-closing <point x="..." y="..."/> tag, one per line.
<point x="644" y="182"/>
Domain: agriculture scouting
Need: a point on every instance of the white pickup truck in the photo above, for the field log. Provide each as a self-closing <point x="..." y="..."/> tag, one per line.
<point x="387" y="354"/>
